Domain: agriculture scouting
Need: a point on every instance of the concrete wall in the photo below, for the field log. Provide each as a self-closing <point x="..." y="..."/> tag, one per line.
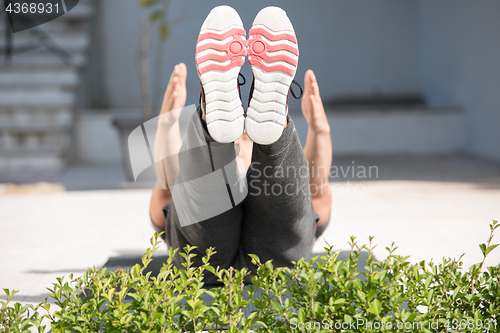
<point x="356" y="47"/>
<point x="418" y="131"/>
<point x="446" y="50"/>
<point x="96" y="140"/>
<point x="414" y="131"/>
<point x="459" y="51"/>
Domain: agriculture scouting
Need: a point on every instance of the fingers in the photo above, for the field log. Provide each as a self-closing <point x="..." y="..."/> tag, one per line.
<point x="315" y="93"/>
<point x="314" y="84"/>
<point x="182" y="73"/>
<point x="176" y="86"/>
<point x="307" y="81"/>
<point x="314" y="97"/>
<point x="311" y="86"/>
<point x="168" y="92"/>
<point x="315" y="90"/>
<point x="179" y="94"/>
<point x="312" y="100"/>
<point x="174" y="93"/>
<point x="172" y="76"/>
<point x="175" y="83"/>
<point x="179" y="73"/>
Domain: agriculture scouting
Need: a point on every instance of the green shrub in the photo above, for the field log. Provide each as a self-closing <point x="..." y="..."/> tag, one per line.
<point x="324" y="294"/>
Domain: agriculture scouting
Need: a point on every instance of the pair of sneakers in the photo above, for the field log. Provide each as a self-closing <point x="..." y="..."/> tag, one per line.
<point x="272" y="52"/>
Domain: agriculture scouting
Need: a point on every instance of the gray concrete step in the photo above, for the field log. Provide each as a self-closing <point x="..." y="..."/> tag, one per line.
<point x="34" y="119"/>
<point x="22" y="144"/>
<point x="43" y="58"/>
<point x="26" y="76"/>
<point x="74" y="41"/>
<point x="50" y="27"/>
<point x="35" y="128"/>
<point x="38" y="92"/>
<point x="21" y="152"/>
<point x="36" y="97"/>
<point x="36" y="160"/>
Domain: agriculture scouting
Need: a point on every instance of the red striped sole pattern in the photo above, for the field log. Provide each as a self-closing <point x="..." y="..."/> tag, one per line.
<point x="219" y="57"/>
<point x="273" y="56"/>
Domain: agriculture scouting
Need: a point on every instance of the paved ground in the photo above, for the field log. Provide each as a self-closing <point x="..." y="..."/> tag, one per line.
<point x="425" y="219"/>
<point x="439" y="207"/>
<point x="77" y="177"/>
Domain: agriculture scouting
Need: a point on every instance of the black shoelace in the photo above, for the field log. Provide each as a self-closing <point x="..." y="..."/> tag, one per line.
<point x="293" y="93"/>
<point x="244" y="80"/>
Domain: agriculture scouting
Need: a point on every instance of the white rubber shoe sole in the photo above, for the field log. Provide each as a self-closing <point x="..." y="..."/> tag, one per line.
<point x="220" y="53"/>
<point x="273" y="54"/>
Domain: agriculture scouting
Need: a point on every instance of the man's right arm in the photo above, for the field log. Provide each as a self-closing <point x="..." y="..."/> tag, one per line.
<point x="168" y="143"/>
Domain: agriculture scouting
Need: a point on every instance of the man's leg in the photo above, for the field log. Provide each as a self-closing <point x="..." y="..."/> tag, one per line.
<point x="205" y="187"/>
<point x="205" y="209"/>
<point x="279" y="221"/>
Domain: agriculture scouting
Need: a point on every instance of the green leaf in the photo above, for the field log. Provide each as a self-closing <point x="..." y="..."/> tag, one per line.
<point x="287" y="302"/>
<point x="380" y="275"/>
<point x="483" y="248"/>
<point x="276" y="305"/>
<point x="405" y="314"/>
<point x="254" y="258"/>
<point x="191" y="303"/>
<point x="250" y="290"/>
<point x="135" y="270"/>
<point x="147" y="3"/>
<point x="428" y="282"/>
<point x="455" y="293"/>
<point x="494" y="225"/>
<point x="255" y="281"/>
<point x="302" y="317"/>
<point x="155" y="16"/>
<point x="429" y="296"/>
<point x="164" y="31"/>
<point x="490" y="248"/>
<point x="375" y="307"/>
<point x="316" y="308"/>
<point x="371" y="294"/>
<point x="411" y="317"/>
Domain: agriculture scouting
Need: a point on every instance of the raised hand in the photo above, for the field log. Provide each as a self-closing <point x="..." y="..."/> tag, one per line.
<point x="175" y="95"/>
<point x="168" y="136"/>
<point x="312" y="106"/>
<point x="318" y="148"/>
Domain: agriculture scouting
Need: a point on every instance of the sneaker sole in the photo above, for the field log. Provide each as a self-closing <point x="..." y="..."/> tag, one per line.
<point x="273" y="54"/>
<point x="220" y="53"/>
